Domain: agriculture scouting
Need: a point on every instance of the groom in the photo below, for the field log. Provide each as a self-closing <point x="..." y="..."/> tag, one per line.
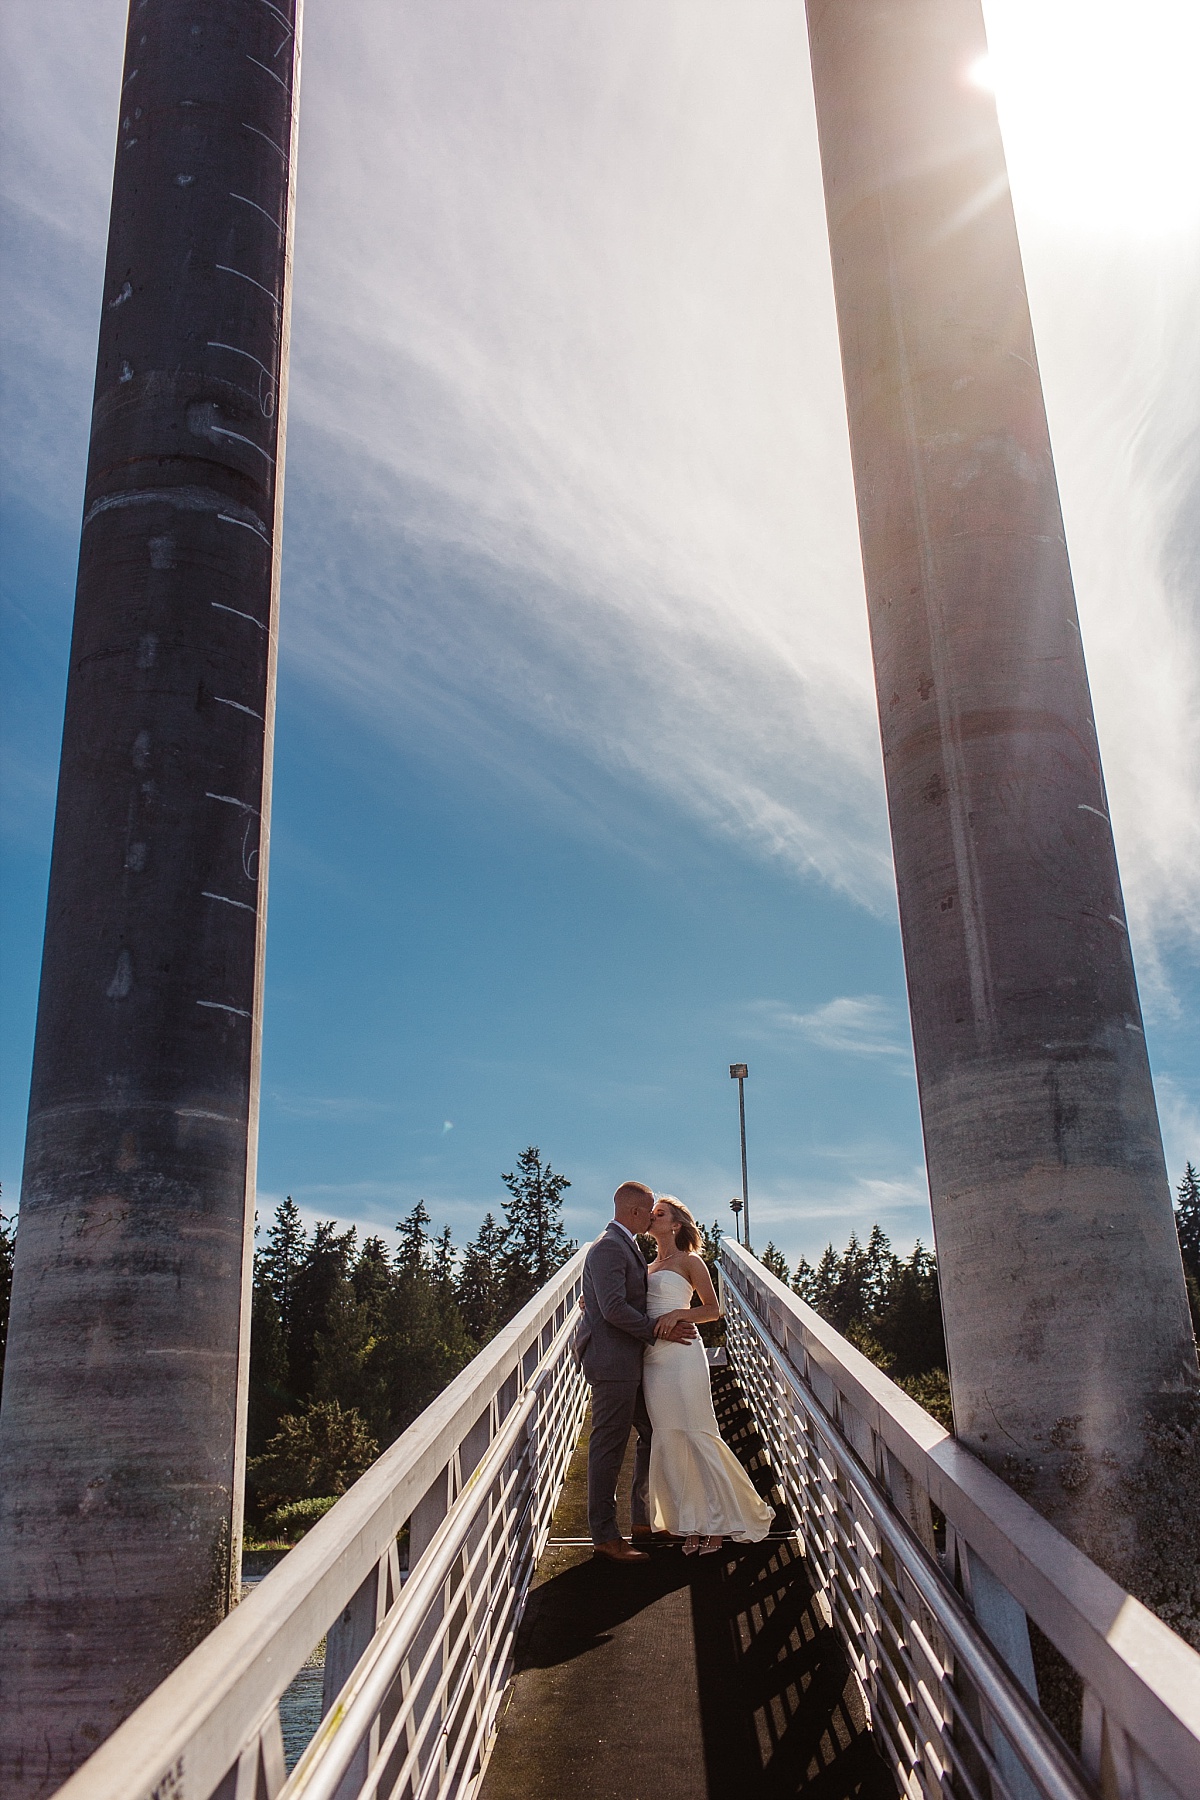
<point x="610" y="1344"/>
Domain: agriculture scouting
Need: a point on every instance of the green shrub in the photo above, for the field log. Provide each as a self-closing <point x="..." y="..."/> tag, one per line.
<point x="290" y="1522"/>
<point x="322" y="1450"/>
<point x="932" y="1391"/>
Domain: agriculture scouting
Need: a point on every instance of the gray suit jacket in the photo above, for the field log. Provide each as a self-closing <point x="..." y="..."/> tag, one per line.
<point x="614" y="1330"/>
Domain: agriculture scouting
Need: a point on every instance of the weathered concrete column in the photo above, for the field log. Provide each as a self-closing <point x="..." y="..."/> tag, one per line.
<point x="1065" y="1310"/>
<point x="122" y="1434"/>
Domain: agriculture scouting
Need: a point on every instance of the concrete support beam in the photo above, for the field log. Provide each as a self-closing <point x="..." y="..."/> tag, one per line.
<point x="122" y="1434"/>
<point x="1065" y="1310"/>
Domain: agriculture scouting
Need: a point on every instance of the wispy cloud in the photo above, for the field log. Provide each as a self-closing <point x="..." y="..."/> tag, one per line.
<point x="569" y="481"/>
<point x="588" y="369"/>
<point x="802" y="1218"/>
<point x="851" y="1024"/>
<point x="328" y="1106"/>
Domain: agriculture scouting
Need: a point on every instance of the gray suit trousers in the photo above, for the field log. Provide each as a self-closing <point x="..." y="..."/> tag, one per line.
<point x="617" y="1408"/>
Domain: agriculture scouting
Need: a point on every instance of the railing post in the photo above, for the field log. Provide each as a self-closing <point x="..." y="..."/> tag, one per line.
<point x="428" y="1514"/>
<point x="1004" y="1623"/>
<point x="910" y="1500"/>
<point x="345" y="1643"/>
<point x="999" y="1616"/>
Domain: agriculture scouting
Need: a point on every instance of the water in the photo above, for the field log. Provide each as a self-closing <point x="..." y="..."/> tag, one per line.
<point x="300" y="1711"/>
<point x="300" y="1703"/>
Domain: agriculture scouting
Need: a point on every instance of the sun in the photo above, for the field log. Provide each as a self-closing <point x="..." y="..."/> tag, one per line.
<point x="1099" y="109"/>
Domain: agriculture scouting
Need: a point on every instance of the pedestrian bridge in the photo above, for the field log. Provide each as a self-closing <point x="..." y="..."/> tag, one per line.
<point x="878" y="1643"/>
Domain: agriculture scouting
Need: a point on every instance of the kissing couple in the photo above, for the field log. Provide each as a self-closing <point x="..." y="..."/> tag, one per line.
<point x="642" y="1356"/>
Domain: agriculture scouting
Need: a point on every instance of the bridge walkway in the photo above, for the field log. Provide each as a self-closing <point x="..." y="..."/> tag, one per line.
<point x="681" y="1678"/>
<point x="474" y="1651"/>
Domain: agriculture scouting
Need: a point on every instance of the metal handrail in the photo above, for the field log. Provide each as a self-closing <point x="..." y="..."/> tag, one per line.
<point x="415" y="1669"/>
<point x="420" y="1663"/>
<point x="939" y="1636"/>
<point x="337" y="1739"/>
<point x="1045" y="1757"/>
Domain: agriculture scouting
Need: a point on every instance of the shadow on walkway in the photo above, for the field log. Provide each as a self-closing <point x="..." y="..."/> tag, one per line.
<point x="779" y="1709"/>
<point x="681" y="1678"/>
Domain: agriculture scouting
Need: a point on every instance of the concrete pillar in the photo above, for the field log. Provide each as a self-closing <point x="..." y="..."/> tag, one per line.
<point x="122" y="1434"/>
<point x="1065" y="1310"/>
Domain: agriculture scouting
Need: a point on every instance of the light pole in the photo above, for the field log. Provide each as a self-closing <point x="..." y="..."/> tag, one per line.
<point x="735" y="1207"/>
<point x="738" y="1072"/>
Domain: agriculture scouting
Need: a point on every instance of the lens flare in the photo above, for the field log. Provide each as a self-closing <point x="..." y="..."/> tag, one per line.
<point x="1098" y="108"/>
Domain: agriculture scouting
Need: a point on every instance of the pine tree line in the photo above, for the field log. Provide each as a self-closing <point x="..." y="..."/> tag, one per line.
<point x="888" y="1308"/>
<point x="1187" y="1224"/>
<point x="350" y="1341"/>
<point x="891" y="1310"/>
<point x="8" y="1244"/>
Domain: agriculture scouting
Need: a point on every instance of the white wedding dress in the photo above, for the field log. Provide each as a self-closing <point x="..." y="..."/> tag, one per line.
<point x="697" y="1484"/>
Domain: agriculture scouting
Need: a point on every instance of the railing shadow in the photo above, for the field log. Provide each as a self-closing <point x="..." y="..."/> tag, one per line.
<point x="775" y="1712"/>
<point x="781" y="1714"/>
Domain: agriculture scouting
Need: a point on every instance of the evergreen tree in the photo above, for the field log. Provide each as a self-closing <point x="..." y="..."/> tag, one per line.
<point x="280" y="1263"/>
<point x="1187" y="1224"/>
<point x="451" y="1325"/>
<point x="350" y="1363"/>
<point x="932" y="1391"/>
<point x="8" y="1241"/>
<point x="374" y="1337"/>
<point x="342" y="1352"/>
<point x="372" y="1278"/>
<point x="535" y="1241"/>
<point x="824" y="1281"/>
<point x="444" y="1258"/>
<point x="890" y="1310"/>
<point x="860" y="1334"/>
<point x="413" y="1254"/>
<point x="318" y="1290"/>
<point x="851" y="1297"/>
<point x="269" y="1397"/>
<point x="776" y="1262"/>
<point x="880" y="1267"/>
<point x="710" y="1241"/>
<point x="909" y="1324"/>
<point x="1187" y="1219"/>
<point x="422" y="1343"/>
<point x="804" y="1280"/>
<point x="479" y="1281"/>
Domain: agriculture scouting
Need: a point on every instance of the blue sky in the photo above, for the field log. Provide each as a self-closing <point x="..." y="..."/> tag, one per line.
<point x="577" y="785"/>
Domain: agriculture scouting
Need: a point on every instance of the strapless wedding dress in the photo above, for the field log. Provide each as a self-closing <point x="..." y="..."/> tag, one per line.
<point x="697" y="1484"/>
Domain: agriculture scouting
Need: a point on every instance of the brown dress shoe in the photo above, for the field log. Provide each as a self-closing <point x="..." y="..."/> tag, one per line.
<point x="617" y="1550"/>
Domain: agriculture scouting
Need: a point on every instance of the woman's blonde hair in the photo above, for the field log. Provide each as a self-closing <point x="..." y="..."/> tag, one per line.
<point x="687" y="1235"/>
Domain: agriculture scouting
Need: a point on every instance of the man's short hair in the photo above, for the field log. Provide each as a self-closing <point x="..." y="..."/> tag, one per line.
<point x="630" y="1192"/>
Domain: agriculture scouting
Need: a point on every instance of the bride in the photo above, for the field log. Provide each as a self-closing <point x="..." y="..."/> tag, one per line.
<point x="698" y="1488"/>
